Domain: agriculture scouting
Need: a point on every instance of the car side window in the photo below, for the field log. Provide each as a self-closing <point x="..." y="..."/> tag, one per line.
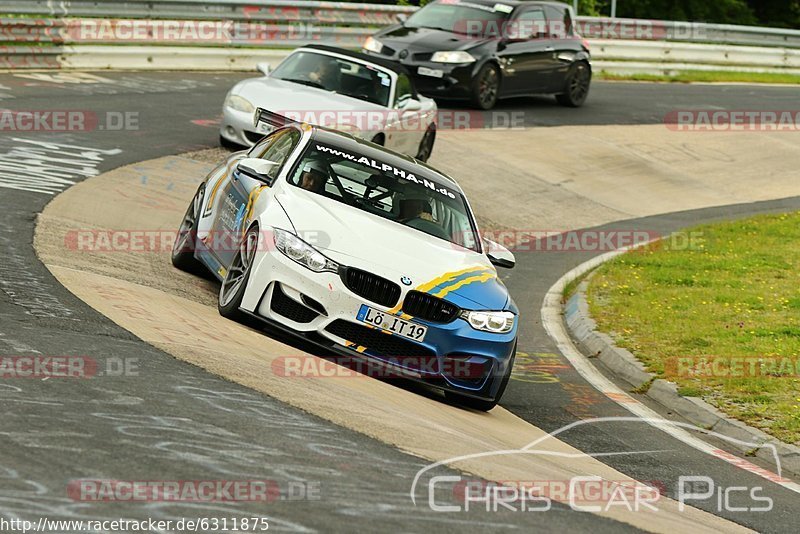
<point x="277" y="147"/>
<point x="403" y="91"/>
<point x="530" y="24"/>
<point x="559" y="22"/>
<point x="261" y="146"/>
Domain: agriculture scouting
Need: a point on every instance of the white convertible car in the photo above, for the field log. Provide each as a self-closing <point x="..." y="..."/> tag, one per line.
<point x="368" y="253"/>
<point x="368" y="97"/>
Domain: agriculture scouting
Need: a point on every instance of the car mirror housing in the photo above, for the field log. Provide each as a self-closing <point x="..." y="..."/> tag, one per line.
<point x="258" y="169"/>
<point x="264" y="68"/>
<point x="499" y="255"/>
<point x="401" y="18"/>
<point x="412" y="104"/>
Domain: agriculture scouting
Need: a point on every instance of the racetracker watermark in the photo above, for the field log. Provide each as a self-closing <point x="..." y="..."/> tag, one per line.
<point x="555" y="30"/>
<point x="393" y="367"/>
<point x="646" y="30"/>
<point x="181" y="31"/>
<point x="162" y="241"/>
<point x="712" y="367"/>
<point x="588" y="240"/>
<point x="191" y="491"/>
<point x="45" y="367"/>
<point x="407" y="121"/>
<point x="688" y="120"/>
<point x="60" y="120"/>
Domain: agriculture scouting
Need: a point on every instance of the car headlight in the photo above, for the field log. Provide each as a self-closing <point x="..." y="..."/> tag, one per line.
<point x="298" y="250"/>
<point x="239" y="103"/>
<point x="373" y="45"/>
<point x="452" y="57"/>
<point x="498" y="322"/>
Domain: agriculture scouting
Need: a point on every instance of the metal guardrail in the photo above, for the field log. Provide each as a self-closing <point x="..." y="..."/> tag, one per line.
<point x="289" y="23"/>
<point x="686" y="32"/>
<point x="376" y="15"/>
<point x="30" y="57"/>
<point x="24" y="30"/>
<point x="253" y="10"/>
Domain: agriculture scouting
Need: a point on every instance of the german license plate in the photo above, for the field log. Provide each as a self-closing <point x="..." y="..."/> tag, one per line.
<point x="264" y="128"/>
<point x="392" y="323"/>
<point x="435" y="73"/>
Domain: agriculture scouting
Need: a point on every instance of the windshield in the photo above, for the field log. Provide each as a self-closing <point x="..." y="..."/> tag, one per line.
<point x="413" y="200"/>
<point x="460" y="17"/>
<point x="336" y="75"/>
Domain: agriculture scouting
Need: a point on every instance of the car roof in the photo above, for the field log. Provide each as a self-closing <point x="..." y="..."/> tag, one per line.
<point x="362" y="147"/>
<point x="385" y="63"/>
<point x="516" y="3"/>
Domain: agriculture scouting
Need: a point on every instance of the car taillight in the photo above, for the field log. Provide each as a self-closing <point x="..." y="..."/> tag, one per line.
<point x="585" y="43"/>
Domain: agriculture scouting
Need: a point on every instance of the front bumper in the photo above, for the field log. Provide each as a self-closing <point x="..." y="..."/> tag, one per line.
<point x="237" y="127"/>
<point x="455" y="83"/>
<point x="320" y="308"/>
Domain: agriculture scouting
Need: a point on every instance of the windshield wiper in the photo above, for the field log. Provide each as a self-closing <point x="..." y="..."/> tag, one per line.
<point x="450" y="30"/>
<point x="304" y="82"/>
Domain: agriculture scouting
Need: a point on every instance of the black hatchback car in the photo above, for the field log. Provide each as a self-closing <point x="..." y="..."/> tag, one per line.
<point x="483" y="50"/>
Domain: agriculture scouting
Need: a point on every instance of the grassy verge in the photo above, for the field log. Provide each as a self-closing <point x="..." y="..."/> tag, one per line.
<point x="572" y="286"/>
<point x="705" y="76"/>
<point x="720" y="317"/>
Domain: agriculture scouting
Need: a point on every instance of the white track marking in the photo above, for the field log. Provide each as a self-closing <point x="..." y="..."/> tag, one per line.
<point x="46" y="167"/>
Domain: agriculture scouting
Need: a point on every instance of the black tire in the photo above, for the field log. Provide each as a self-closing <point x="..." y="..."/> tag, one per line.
<point x="234" y="284"/>
<point x="184" y="246"/>
<point x="426" y="145"/>
<point x="483" y="405"/>
<point x="379" y="139"/>
<point x="486" y="87"/>
<point x="576" y="85"/>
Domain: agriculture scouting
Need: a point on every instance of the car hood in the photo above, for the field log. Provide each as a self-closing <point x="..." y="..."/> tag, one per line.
<point x="282" y="96"/>
<point x="356" y="238"/>
<point x="422" y="40"/>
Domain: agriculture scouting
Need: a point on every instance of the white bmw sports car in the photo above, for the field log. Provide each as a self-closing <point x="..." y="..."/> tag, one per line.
<point x="368" y="97"/>
<point x="373" y="255"/>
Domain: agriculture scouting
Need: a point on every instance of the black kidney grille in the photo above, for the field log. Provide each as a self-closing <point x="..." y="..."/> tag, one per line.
<point x="371" y="287"/>
<point x="429" y="308"/>
<point x="386" y="346"/>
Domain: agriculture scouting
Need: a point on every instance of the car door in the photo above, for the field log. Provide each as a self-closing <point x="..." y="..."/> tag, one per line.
<point x="527" y="53"/>
<point x="402" y="124"/>
<point x="565" y="43"/>
<point x="236" y="191"/>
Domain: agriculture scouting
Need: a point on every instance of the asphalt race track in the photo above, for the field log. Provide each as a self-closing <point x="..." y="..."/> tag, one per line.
<point x="173" y="421"/>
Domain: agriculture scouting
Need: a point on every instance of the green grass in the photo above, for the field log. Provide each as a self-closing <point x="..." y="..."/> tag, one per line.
<point x="734" y="294"/>
<point x="705" y="76"/>
<point x="572" y="286"/>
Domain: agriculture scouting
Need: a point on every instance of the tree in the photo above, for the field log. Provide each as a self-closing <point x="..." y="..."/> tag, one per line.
<point x="779" y="13"/>
<point x="721" y="11"/>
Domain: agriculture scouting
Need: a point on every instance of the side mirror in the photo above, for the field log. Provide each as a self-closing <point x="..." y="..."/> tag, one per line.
<point x="258" y="169"/>
<point x="499" y="255"/>
<point x="264" y="68"/>
<point x="412" y="104"/>
<point x="401" y="17"/>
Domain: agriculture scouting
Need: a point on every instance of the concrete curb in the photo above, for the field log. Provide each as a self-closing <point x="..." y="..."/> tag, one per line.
<point x="597" y="345"/>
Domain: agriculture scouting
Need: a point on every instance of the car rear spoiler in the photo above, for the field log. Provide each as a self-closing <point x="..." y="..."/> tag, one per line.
<point x="273" y="119"/>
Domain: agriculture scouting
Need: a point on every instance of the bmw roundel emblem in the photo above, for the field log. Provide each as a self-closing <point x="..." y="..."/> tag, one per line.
<point x="406" y="281"/>
<point x="403" y="54"/>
